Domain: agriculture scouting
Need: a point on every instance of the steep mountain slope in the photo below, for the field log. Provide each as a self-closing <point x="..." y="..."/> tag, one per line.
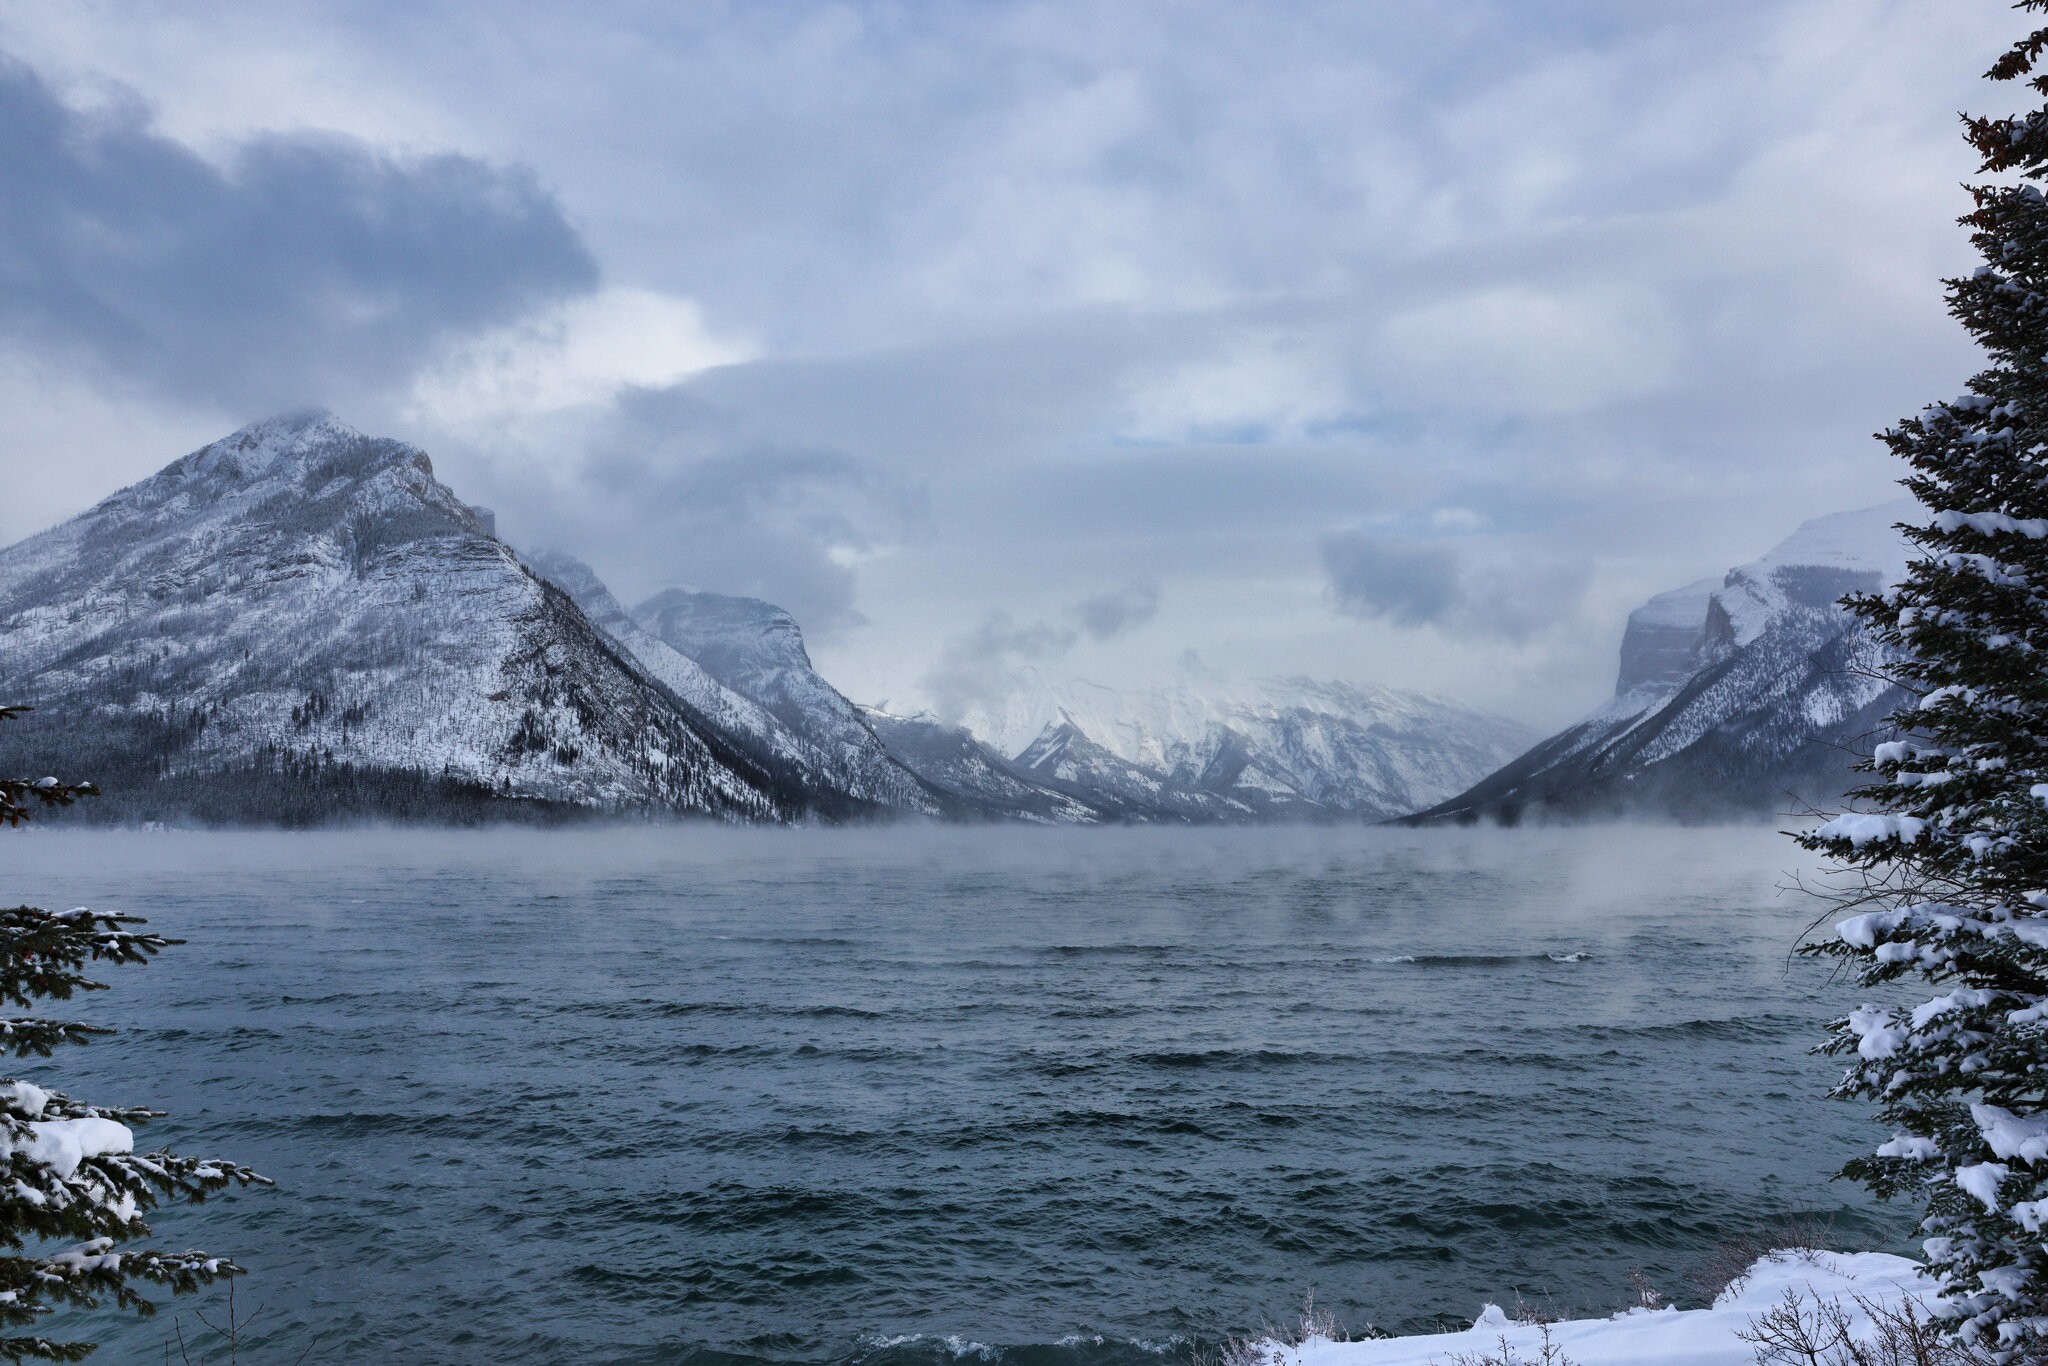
<point x="754" y="649"/>
<point x="299" y="621"/>
<point x="951" y="760"/>
<point x="1272" y="748"/>
<point x="1756" y="706"/>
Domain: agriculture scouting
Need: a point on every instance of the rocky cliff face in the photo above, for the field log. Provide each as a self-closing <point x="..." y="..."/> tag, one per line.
<point x="1665" y="641"/>
<point x="1758" y="706"/>
<point x="300" y="621"/>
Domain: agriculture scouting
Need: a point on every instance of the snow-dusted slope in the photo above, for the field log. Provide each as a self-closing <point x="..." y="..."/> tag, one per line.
<point x="1064" y="757"/>
<point x="1755" y="706"/>
<point x="304" y="613"/>
<point x="1273" y="747"/>
<point x="755" y="650"/>
<point x="1812" y="568"/>
<point x="717" y="703"/>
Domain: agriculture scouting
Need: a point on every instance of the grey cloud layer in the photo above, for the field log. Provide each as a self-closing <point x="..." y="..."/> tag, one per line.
<point x="1380" y="578"/>
<point x="306" y="268"/>
<point x="1105" y="616"/>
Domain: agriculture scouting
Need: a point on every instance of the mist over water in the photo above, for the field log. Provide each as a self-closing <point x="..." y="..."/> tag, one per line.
<point x="1061" y="1098"/>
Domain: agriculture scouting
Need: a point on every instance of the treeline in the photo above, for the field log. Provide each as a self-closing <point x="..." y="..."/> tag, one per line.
<point x="142" y="764"/>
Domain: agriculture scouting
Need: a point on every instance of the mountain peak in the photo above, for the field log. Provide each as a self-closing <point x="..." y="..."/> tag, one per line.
<point x="289" y="423"/>
<point x="723" y="607"/>
<point x="755" y="649"/>
<point x="1862" y="539"/>
<point x="299" y="465"/>
<point x="255" y="450"/>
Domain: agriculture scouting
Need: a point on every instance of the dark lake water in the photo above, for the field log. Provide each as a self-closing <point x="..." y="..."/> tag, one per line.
<point x="1053" y="1099"/>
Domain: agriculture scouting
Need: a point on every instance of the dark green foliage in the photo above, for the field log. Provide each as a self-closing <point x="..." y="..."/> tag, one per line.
<point x="1951" y="861"/>
<point x="72" y="1188"/>
<point x="17" y="795"/>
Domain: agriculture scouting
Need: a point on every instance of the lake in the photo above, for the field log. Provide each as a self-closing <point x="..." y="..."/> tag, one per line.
<point x="905" y="1096"/>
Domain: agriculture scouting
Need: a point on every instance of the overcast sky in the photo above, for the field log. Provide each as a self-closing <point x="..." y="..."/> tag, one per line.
<point x="1408" y="344"/>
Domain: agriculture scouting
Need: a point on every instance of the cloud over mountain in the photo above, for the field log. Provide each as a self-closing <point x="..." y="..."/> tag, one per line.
<point x="1383" y="578"/>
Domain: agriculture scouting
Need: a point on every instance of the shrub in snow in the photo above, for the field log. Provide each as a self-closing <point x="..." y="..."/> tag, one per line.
<point x="73" y="1189"/>
<point x="1953" y="859"/>
<point x="1505" y="1353"/>
<point x="1815" y="1330"/>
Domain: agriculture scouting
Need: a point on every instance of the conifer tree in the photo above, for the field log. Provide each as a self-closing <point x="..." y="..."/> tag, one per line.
<point x="1953" y="852"/>
<point x="74" y="1187"/>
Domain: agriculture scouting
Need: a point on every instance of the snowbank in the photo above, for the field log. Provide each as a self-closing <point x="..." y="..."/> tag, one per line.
<point x="1640" y="1337"/>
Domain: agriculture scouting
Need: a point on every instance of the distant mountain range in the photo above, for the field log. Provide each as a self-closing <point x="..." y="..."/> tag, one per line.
<point x="1284" y="749"/>
<point x="1739" y="698"/>
<point x="1210" y="749"/>
<point x="300" y="623"/>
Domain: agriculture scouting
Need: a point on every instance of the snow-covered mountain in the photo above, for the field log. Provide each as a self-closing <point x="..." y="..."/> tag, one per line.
<point x="1209" y="749"/>
<point x="1063" y="755"/>
<point x="1746" y="696"/>
<point x="299" y="621"/>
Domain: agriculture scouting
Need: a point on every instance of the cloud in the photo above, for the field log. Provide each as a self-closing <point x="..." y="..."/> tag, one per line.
<point x="1105" y="616"/>
<point x="980" y="667"/>
<point x="1382" y="578"/>
<point x="673" y="484"/>
<point x="1040" y="294"/>
<point x="301" y="267"/>
<point x="1375" y="579"/>
<point x="785" y="525"/>
<point x="584" y="350"/>
<point x="1245" y="388"/>
<point x="1527" y="351"/>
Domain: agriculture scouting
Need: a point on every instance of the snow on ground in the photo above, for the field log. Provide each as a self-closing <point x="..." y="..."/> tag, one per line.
<point x="1641" y="1337"/>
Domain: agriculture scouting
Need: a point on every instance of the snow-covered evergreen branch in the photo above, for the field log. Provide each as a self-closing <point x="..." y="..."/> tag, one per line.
<point x="72" y="1186"/>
